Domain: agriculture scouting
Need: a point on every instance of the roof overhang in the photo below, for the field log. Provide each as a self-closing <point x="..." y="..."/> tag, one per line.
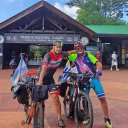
<point x="111" y="35"/>
<point x="51" y="8"/>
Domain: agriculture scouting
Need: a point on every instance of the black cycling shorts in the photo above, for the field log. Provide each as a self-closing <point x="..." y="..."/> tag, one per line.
<point x="50" y="82"/>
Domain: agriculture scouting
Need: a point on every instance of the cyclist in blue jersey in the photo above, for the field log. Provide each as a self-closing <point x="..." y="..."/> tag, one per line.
<point x="49" y="66"/>
<point x="85" y="61"/>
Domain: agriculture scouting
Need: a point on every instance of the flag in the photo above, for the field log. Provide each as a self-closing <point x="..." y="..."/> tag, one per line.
<point x="82" y="67"/>
<point x="66" y="71"/>
<point x="21" y="69"/>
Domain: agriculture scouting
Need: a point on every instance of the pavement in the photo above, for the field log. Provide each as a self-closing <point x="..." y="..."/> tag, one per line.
<point x="115" y="84"/>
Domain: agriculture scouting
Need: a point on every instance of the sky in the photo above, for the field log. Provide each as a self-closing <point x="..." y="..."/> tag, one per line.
<point x="9" y="8"/>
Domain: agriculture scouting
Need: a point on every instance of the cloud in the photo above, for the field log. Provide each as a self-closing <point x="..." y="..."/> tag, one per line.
<point x="71" y="11"/>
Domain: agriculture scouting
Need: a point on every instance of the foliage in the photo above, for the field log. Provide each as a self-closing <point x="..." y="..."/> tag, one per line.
<point x="100" y="11"/>
<point x="38" y="51"/>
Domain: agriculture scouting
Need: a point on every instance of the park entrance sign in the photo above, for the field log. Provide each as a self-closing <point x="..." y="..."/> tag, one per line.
<point x="40" y="38"/>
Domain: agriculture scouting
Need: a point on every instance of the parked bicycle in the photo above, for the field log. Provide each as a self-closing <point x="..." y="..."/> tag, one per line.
<point x="32" y="97"/>
<point x="77" y="103"/>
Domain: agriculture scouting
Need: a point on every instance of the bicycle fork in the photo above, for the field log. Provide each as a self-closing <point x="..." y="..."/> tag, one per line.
<point x="30" y="114"/>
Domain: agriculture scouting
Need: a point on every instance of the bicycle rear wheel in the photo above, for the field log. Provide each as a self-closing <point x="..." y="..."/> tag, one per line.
<point x="38" y="121"/>
<point x="83" y="112"/>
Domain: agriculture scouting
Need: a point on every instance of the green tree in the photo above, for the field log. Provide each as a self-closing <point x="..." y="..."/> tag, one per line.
<point x="38" y="50"/>
<point x="100" y="11"/>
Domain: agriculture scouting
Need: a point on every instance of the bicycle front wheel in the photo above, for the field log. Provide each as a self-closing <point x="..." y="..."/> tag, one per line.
<point x="27" y="114"/>
<point x="38" y="121"/>
<point x="68" y="106"/>
<point x="83" y="112"/>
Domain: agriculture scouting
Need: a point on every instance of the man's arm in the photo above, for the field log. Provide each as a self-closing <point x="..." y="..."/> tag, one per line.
<point x="71" y="52"/>
<point x="98" y="66"/>
<point x="42" y="73"/>
<point x="43" y="68"/>
<point x="96" y="62"/>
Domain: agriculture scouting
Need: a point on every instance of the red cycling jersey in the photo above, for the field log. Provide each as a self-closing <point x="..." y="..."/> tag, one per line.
<point x="53" y="60"/>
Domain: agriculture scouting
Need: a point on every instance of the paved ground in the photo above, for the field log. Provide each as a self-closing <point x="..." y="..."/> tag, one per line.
<point x="116" y="88"/>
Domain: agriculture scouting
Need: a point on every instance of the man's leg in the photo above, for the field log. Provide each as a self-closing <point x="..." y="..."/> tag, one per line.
<point x="117" y="67"/>
<point x="57" y="105"/>
<point x="96" y="85"/>
<point x="53" y="90"/>
<point x="111" y="67"/>
<point x="104" y="106"/>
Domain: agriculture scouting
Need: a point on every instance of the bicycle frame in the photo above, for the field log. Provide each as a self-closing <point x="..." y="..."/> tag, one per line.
<point x="76" y="89"/>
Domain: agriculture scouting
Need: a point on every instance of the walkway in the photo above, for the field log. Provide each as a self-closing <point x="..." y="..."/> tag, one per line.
<point x="116" y="88"/>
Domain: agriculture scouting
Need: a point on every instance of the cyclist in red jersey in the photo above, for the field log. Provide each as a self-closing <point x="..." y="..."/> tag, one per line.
<point x="49" y="66"/>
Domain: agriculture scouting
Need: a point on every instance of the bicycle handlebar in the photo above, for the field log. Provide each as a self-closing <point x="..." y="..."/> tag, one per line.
<point x="80" y="74"/>
<point x="58" y="84"/>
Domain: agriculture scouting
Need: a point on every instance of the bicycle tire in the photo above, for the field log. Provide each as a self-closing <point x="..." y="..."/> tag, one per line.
<point x="38" y="120"/>
<point x="68" y="107"/>
<point x="83" y="110"/>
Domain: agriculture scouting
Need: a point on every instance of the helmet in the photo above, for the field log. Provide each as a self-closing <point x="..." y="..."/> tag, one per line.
<point x="78" y="44"/>
<point x="59" y="42"/>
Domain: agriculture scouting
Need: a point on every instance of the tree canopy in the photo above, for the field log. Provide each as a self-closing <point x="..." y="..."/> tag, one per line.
<point x="100" y="11"/>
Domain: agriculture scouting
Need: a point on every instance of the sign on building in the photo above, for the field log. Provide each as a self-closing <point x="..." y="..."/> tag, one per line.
<point x="40" y="38"/>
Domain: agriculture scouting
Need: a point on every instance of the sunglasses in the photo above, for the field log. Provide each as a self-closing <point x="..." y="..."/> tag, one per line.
<point x="79" y="48"/>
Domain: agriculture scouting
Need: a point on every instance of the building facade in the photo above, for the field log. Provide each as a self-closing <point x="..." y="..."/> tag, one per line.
<point x="36" y="28"/>
<point x="112" y="38"/>
<point x="39" y="25"/>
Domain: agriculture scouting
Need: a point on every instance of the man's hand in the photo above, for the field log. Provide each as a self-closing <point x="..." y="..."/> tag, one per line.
<point x="39" y="83"/>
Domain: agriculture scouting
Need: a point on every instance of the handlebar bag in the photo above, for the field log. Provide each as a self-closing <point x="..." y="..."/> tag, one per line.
<point x="40" y="93"/>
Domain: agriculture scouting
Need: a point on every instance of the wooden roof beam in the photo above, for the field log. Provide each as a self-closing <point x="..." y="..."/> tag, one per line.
<point x="54" y="23"/>
<point x="43" y="23"/>
<point x="33" y="22"/>
<point x="40" y="31"/>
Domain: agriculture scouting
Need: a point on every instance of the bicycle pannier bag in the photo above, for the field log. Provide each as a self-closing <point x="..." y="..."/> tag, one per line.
<point x="20" y="93"/>
<point x="40" y="93"/>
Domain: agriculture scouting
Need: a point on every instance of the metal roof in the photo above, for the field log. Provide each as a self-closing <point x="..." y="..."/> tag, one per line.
<point x="109" y="29"/>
